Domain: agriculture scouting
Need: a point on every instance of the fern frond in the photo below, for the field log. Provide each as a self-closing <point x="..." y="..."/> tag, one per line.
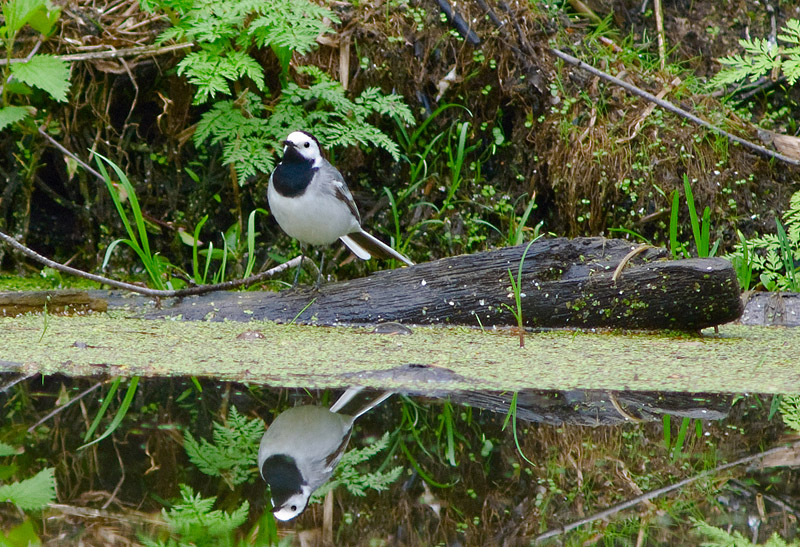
<point x="250" y="156"/>
<point x="791" y="68"/>
<point x="235" y="448"/>
<point x="294" y="25"/>
<point x="194" y="518"/>
<point x="791" y="32"/>
<point x="718" y="537"/>
<point x="355" y="482"/>
<point x="790" y="411"/>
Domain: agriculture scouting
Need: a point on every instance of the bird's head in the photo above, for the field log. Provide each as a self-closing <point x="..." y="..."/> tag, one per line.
<point x="293" y="506"/>
<point x="288" y="489"/>
<point x="302" y="146"/>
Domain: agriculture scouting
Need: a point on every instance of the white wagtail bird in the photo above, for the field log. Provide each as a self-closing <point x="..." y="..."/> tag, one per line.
<point x="312" y="203"/>
<point x="300" y="450"/>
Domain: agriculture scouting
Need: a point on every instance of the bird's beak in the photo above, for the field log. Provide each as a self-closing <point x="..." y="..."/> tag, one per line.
<point x="287" y="143"/>
<point x="276" y="509"/>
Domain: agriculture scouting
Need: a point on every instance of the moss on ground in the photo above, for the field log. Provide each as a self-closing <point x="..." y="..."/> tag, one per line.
<point x="739" y="359"/>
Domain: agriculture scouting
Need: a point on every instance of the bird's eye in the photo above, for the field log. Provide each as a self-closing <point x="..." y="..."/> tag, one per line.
<point x="294" y="508"/>
<point x="307" y="145"/>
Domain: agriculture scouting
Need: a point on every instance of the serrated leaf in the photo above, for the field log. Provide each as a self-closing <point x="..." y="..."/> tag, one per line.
<point x="46" y="72"/>
<point x="18" y="12"/>
<point x="31" y="494"/>
<point x="13" y="114"/>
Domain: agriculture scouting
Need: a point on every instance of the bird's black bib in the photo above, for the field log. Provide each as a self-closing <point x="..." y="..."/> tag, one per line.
<point x="284" y="478"/>
<point x="293" y="174"/>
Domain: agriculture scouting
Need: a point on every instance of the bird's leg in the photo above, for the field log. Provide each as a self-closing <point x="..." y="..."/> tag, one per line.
<point x="321" y="265"/>
<point x="299" y="266"/>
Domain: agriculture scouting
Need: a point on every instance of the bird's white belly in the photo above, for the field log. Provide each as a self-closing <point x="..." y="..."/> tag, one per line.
<point x="312" y="218"/>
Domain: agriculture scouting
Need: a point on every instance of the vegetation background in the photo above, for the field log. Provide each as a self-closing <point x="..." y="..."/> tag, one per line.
<point x="458" y="131"/>
<point x="454" y="137"/>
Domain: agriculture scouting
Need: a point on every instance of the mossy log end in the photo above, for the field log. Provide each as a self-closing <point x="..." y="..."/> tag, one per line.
<point x="56" y="301"/>
<point x="565" y="283"/>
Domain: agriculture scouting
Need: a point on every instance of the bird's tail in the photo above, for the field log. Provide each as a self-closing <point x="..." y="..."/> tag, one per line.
<point x="346" y="397"/>
<point x="372" y="404"/>
<point x="351" y="392"/>
<point x="364" y="246"/>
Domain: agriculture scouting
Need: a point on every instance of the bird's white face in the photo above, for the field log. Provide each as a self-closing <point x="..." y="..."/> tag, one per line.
<point x="306" y="146"/>
<point x="293" y="506"/>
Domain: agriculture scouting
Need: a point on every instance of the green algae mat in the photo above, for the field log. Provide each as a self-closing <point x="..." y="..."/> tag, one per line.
<point x="432" y="359"/>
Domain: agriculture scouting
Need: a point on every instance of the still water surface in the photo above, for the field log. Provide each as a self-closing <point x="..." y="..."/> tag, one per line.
<point x="468" y="468"/>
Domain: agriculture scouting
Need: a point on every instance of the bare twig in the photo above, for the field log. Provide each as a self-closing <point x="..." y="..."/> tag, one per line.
<point x="121" y="479"/>
<point x="58" y="409"/>
<point x="777" y="501"/>
<point x="671" y="107"/>
<point x="113" y="53"/>
<point x="66" y="152"/>
<point x="200" y="289"/>
<point x="662" y="49"/>
<point x="654" y="494"/>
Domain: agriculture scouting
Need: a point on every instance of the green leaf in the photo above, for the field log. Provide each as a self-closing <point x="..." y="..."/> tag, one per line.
<point x="7" y="449"/>
<point x="13" y="114"/>
<point x="18" y="12"/>
<point x="33" y="493"/>
<point x="44" y="19"/>
<point x="45" y="72"/>
<point x="18" y="88"/>
<point x="22" y="534"/>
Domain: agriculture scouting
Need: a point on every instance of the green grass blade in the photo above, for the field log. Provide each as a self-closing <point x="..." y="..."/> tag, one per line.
<point x="774" y="406"/>
<point x="121" y="412"/>
<point x="427" y="478"/>
<point x="519" y="232"/>
<point x="704" y="233"/>
<point x="787" y="258"/>
<point x="447" y="413"/>
<point x="673" y="225"/>
<point x="744" y="268"/>
<point x="415" y="136"/>
<point x="395" y="215"/>
<point x="117" y="202"/>
<point x="111" y="247"/>
<point x="677" y="449"/>
<point x="195" y="260"/>
<point x="209" y="255"/>
<point x="251" y="240"/>
<point x="512" y="415"/>
<point x="633" y="233"/>
<point x="692" y="213"/>
<point x="100" y="413"/>
<point x="134" y="203"/>
<point x="141" y="245"/>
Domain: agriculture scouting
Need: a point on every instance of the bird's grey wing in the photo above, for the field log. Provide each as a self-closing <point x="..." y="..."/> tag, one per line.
<point x="338" y="187"/>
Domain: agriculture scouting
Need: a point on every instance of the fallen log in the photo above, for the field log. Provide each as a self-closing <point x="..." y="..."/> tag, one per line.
<point x="565" y="283"/>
